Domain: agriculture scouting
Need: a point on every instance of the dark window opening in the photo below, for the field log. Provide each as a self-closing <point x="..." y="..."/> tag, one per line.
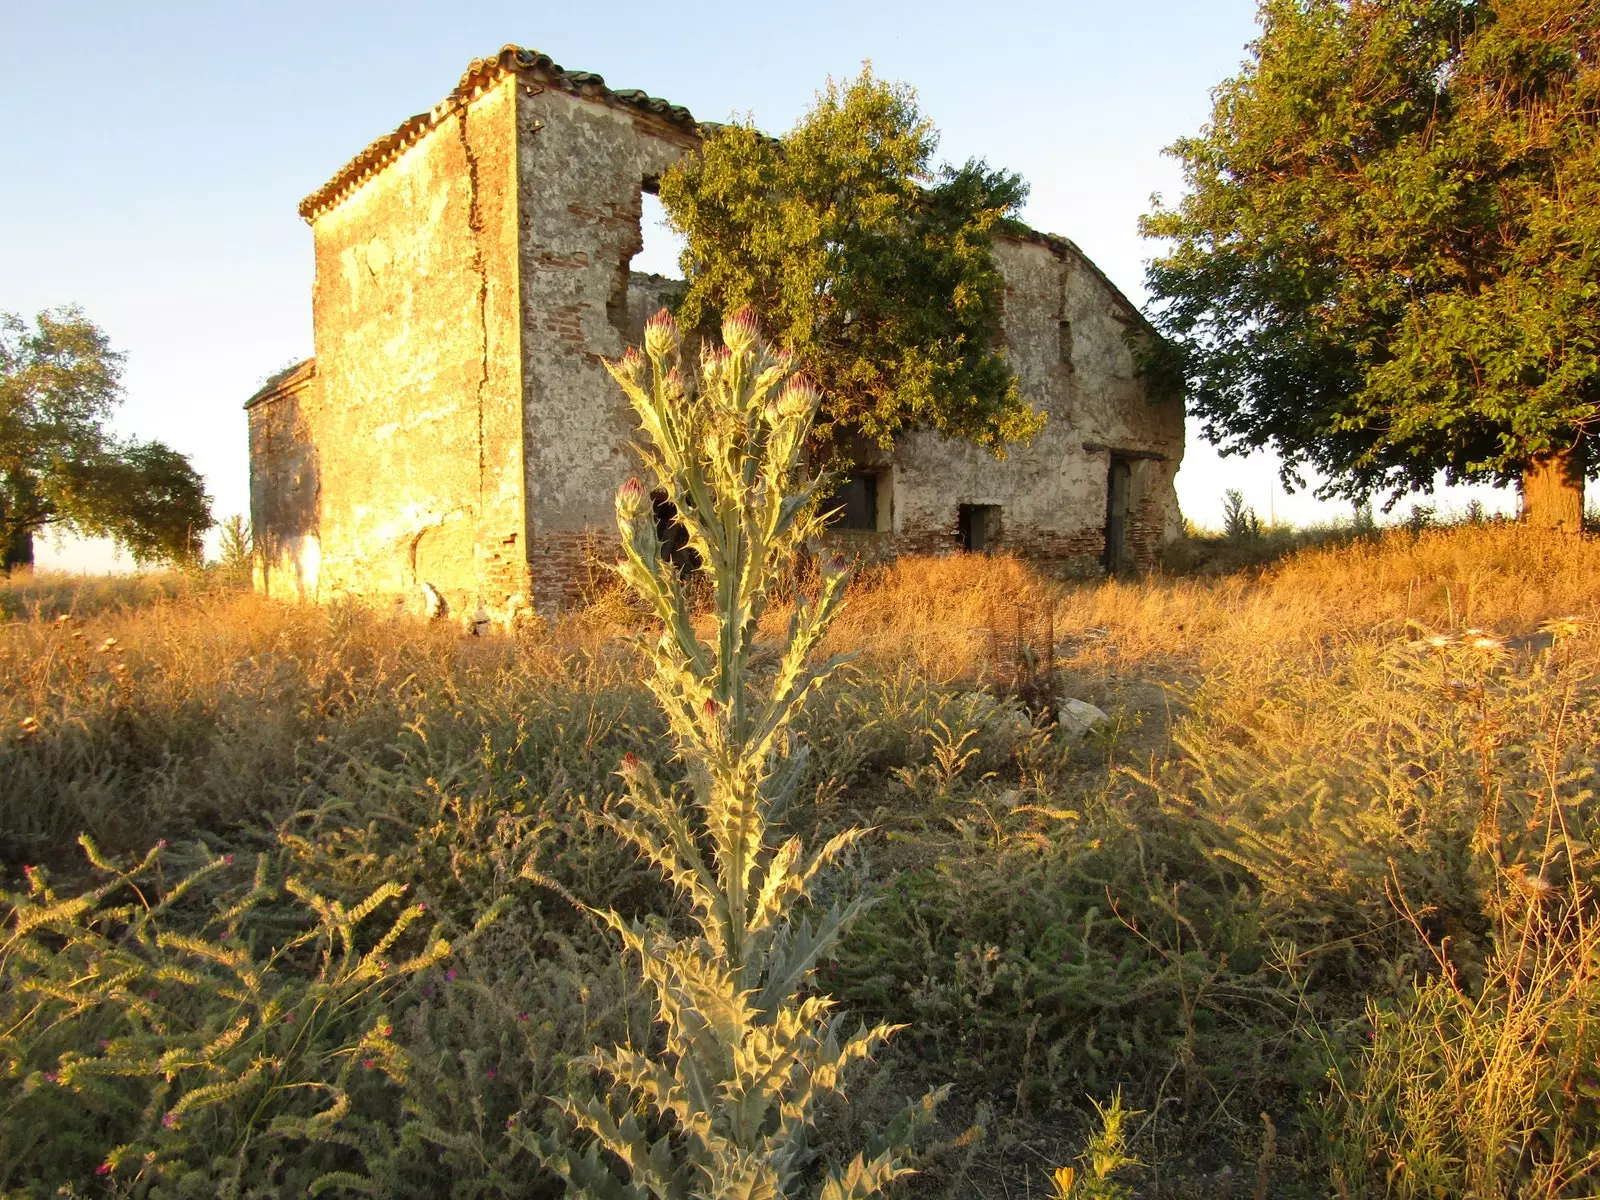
<point x="856" y="503"/>
<point x="672" y="535"/>
<point x="1118" y="486"/>
<point x="1065" y="336"/>
<point x="979" y="526"/>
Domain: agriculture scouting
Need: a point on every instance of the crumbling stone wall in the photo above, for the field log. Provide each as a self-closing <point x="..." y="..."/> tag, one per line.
<point x="584" y="163"/>
<point x="285" y="484"/>
<point x="1067" y="336"/>
<point x="418" y="423"/>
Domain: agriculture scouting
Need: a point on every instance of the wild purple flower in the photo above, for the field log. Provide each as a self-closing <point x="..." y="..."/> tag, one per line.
<point x="450" y="975"/>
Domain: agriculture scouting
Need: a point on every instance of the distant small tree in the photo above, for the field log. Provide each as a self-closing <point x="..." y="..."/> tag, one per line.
<point x="870" y="265"/>
<point x="61" y="467"/>
<point x="235" y="549"/>
<point x="1239" y="522"/>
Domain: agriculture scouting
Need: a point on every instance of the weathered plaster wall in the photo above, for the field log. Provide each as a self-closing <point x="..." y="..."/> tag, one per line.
<point x="418" y="339"/>
<point x="582" y="165"/>
<point x="285" y="485"/>
<point x="1052" y="492"/>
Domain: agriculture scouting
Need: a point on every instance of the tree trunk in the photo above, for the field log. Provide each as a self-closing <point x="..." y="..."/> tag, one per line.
<point x="1552" y="491"/>
<point x="17" y="554"/>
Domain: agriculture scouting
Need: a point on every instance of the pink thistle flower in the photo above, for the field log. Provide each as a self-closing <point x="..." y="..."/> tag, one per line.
<point x="227" y="860"/>
<point x="450" y="975"/>
<point x="631" y="499"/>
<point x="740" y="331"/>
<point x="51" y="1077"/>
<point x="711" y="708"/>
<point x="288" y="1018"/>
<point x="161" y="843"/>
<point x="489" y="1074"/>
<point x="103" y="1169"/>
<point x="522" y="1016"/>
<point x="170" y="1121"/>
<point x="799" y="397"/>
<point x="661" y="336"/>
<point x="368" y="1063"/>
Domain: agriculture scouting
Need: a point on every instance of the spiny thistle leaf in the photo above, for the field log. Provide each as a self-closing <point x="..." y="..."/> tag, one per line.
<point x="749" y="1057"/>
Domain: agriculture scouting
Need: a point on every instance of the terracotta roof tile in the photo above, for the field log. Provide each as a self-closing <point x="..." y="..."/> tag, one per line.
<point x="482" y="74"/>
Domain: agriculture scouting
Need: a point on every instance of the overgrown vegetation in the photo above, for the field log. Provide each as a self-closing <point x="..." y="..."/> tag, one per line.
<point x="1317" y="902"/>
<point x="870" y="264"/>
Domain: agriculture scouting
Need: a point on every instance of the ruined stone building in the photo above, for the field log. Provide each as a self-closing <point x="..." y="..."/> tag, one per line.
<point x="457" y="429"/>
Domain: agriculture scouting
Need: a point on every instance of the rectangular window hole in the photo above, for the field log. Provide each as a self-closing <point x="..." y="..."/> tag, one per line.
<point x="979" y="526"/>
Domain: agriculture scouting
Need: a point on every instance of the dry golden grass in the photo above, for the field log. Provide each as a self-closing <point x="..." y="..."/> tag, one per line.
<point x="935" y="613"/>
<point x="1325" y="756"/>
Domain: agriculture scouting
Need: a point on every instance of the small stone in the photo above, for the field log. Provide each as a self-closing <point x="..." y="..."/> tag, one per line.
<point x="1079" y="718"/>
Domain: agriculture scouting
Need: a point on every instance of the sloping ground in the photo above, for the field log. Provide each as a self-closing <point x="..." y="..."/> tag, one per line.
<point x="1336" y="823"/>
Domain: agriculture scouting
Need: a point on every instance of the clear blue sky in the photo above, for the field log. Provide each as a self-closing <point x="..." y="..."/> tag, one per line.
<point x="155" y="152"/>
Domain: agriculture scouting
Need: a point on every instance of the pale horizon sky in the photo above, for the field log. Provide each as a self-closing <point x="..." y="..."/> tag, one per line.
<point x="156" y="154"/>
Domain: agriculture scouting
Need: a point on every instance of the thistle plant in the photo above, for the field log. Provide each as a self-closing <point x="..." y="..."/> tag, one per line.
<point x="750" y="1050"/>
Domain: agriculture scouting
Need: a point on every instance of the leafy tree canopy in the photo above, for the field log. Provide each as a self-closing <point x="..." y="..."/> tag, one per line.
<point x="868" y="264"/>
<point x="60" y="382"/>
<point x="1388" y="262"/>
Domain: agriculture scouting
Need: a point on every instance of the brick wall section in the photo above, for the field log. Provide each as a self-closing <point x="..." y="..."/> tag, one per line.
<point x="582" y="168"/>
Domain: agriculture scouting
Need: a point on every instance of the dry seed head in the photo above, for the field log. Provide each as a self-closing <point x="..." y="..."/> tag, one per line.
<point x="1532" y="884"/>
<point x="661" y="336"/>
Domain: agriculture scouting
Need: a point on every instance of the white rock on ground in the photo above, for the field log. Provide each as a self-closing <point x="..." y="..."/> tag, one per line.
<point x="1078" y="718"/>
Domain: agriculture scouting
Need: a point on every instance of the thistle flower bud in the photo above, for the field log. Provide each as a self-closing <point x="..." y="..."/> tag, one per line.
<point x="710" y="708"/>
<point x="631" y="500"/>
<point x="630" y="762"/>
<point x="630" y="368"/>
<point x="740" y="332"/>
<point x="661" y="336"/>
<point x="714" y="362"/>
<point x="799" y="397"/>
<point x="672" y="386"/>
<point x="834" y="567"/>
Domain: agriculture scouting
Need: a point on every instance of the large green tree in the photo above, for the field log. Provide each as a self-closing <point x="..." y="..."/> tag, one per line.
<point x="870" y="265"/>
<point x="1388" y="260"/>
<point x="60" y="466"/>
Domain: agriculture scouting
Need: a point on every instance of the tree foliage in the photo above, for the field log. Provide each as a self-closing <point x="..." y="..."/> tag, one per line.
<point x="60" y="383"/>
<point x="871" y="266"/>
<point x="1389" y="260"/>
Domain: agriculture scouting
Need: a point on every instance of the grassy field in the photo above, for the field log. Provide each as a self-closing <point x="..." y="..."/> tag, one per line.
<point x="290" y="891"/>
